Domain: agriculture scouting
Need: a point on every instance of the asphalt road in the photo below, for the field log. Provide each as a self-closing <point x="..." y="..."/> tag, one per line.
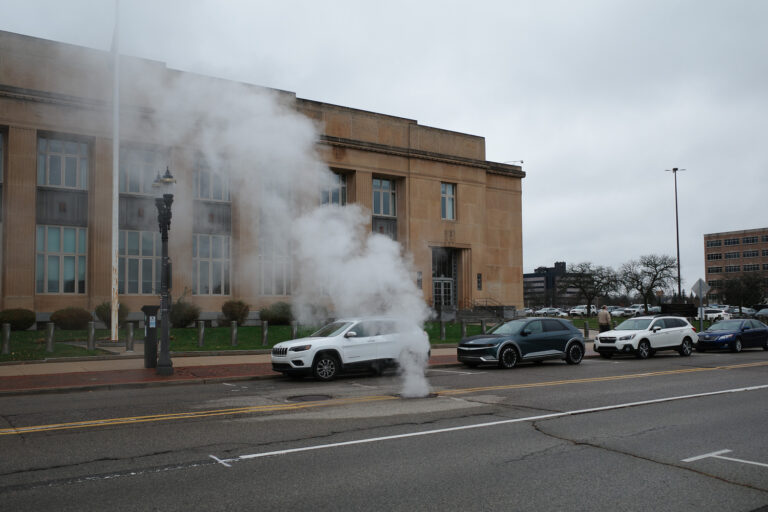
<point x="668" y="433"/>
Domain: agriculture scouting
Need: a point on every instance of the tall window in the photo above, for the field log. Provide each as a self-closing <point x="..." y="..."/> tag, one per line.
<point x="209" y="184"/>
<point x="140" y="257"/>
<point x="384" y="200"/>
<point x="448" y="201"/>
<point x="139" y="168"/>
<point x="211" y="264"/>
<point x="337" y="193"/>
<point x="62" y="163"/>
<point x="60" y="262"/>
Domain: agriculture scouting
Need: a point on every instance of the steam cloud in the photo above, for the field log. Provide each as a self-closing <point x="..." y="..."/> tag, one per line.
<point x="269" y="150"/>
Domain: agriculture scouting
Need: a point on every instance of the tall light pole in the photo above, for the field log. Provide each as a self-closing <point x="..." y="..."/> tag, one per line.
<point x="677" y="234"/>
<point x="164" y="184"/>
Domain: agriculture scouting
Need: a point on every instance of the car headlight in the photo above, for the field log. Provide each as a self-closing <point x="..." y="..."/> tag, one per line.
<point x="725" y="337"/>
<point x="627" y="337"/>
<point x="300" y="348"/>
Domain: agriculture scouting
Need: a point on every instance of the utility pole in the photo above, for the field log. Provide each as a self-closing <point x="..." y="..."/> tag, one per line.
<point x="677" y="234"/>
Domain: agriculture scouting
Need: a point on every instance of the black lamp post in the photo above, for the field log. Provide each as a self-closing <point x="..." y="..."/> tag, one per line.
<point x="677" y="234"/>
<point x="163" y="203"/>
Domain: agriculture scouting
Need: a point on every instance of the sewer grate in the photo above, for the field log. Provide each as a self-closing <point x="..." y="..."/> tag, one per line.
<point x="308" y="398"/>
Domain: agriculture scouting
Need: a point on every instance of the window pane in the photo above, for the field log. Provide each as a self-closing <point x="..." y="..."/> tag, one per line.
<point x="133" y="275"/>
<point x="205" y="192"/>
<point x="203" y="279"/>
<point x="83" y="173"/>
<point x="217" y="249"/>
<point x="41" y="169"/>
<point x="147" y="243"/>
<point x="53" y="274"/>
<point x="133" y="243"/>
<point x="40" y="274"/>
<point x="442" y="208"/>
<point x="216" y="278"/>
<point x="376" y="203"/>
<point x="54" y="244"/>
<point x="41" y="144"/>
<point x="81" y="241"/>
<point x="83" y="149"/>
<point x="385" y="209"/>
<point x="70" y="172"/>
<point x="121" y="243"/>
<point x="54" y="171"/>
<point x="69" y="274"/>
<point x="194" y="246"/>
<point x="54" y="146"/>
<point x="71" y="148"/>
<point x="69" y="241"/>
<point x="204" y="247"/>
<point x="217" y="187"/>
<point x="40" y="243"/>
<point x="226" y="278"/>
<point x="146" y="275"/>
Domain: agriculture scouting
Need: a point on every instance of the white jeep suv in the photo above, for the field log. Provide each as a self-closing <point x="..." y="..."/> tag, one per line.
<point x="644" y="335"/>
<point x="371" y="343"/>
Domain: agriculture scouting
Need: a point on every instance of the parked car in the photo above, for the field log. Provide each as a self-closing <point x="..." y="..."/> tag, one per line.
<point x="582" y="310"/>
<point x="762" y="315"/>
<point x="621" y="312"/>
<point x="745" y="312"/>
<point x="548" y="312"/>
<point x="734" y="335"/>
<point x="712" y="314"/>
<point x="371" y="343"/>
<point x="645" y="335"/>
<point x="527" y="312"/>
<point x="524" y="339"/>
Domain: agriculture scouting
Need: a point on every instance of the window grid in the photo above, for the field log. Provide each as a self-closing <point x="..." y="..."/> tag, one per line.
<point x="731" y="255"/>
<point x="715" y="256"/>
<point x="211" y="257"/>
<point x="60" y="259"/>
<point x="733" y="268"/>
<point x="714" y="243"/>
<point x="715" y="270"/>
<point x="765" y="252"/>
<point x="139" y="262"/>
<point x="139" y="169"/>
<point x="731" y="241"/>
<point x="750" y="254"/>
<point x="448" y="201"/>
<point x="751" y="268"/>
<point x="749" y="240"/>
<point x="62" y="163"/>
<point x="210" y="185"/>
<point x="384" y="199"/>
<point x="337" y="193"/>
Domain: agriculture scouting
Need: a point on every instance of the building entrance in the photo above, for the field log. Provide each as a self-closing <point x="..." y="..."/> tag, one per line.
<point x="444" y="272"/>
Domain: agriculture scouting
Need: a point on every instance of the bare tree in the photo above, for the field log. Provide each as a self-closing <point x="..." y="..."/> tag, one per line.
<point x="746" y="289"/>
<point x="649" y="273"/>
<point x="591" y="281"/>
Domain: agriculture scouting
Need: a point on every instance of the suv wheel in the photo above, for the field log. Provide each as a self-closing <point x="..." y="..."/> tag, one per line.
<point x="643" y="350"/>
<point x="325" y="367"/>
<point x="685" y="348"/>
<point x="508" y="357"/>
<point x="736" y="345"/>
<point x="574" y="354"/>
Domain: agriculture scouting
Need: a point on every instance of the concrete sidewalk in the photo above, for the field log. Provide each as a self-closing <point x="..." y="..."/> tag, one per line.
<point x="123" y="369"/>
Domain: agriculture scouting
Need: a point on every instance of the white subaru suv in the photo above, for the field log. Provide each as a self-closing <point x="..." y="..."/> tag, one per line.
<point x="644" y="335"/>
<point x="371" y="343"/>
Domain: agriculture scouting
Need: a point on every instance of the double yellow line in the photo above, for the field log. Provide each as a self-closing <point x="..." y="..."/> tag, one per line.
<point x="131" y="420"/>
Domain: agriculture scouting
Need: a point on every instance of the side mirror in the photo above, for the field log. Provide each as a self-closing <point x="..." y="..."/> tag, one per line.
<point x="656" y="328"/>
<point x="525" y="332"/>
<point x="351" y="334"/>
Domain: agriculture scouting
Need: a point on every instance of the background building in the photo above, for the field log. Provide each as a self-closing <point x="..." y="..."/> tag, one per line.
<point x="732" y="254"/>
<point x="541" y="288"/>
<point x="457" y="214"/>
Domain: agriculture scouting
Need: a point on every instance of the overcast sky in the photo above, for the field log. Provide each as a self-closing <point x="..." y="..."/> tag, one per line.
<point x="597" y="97"/>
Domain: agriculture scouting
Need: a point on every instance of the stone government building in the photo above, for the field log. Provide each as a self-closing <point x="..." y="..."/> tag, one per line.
<point x="432" y="190"/>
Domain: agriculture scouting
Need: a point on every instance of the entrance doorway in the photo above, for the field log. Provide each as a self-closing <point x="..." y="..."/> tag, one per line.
<point x="444" y="272"/>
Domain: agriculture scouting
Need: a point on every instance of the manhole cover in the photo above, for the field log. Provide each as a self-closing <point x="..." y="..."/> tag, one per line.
<point x="308" y="398"/>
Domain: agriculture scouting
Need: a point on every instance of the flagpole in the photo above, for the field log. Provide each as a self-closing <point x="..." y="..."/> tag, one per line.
<point x="115" y="170"/>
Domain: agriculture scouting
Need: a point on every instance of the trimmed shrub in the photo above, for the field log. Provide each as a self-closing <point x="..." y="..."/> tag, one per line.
<point x="71" y="319"/>
<point x="104" y="313"/>
<point x="278" y="313"/>
<point x="235" y="311"/>
<point x="20" y="319"/>
<point x="184" y="313"/>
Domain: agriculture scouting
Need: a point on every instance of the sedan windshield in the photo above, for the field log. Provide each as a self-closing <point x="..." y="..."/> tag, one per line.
<point x="634" y="324"/>
<point x="333" y="329"/>
<point x="508" y="328"/>
<point x="726" y="325"/>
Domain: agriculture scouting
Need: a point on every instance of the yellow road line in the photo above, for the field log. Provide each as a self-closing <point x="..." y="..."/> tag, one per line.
<point x="347" y="401"/>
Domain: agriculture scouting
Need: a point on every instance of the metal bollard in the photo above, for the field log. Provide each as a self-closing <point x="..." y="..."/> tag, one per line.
<point x="442" y="330"/>
<point x="482" y="326"/>
<point x="91" y="343"/>
<point x="129" y="337"/>
<point x="586" y="329"/>
<point x="463" y="329"/>
<point x="294" y="329"/>
<point x="6" y="339"/>
<point x="49" y="337"/>
<point x="200" y="333"/>
<point x="233" y="332"/>
<point x="264" y="332"/>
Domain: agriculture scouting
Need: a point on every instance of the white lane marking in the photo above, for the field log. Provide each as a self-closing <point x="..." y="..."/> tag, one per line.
<point x="491" y="424"/>
<point x="223" y="463"/>
<point x="457" y="372"/>
<point x="718" y="455"/>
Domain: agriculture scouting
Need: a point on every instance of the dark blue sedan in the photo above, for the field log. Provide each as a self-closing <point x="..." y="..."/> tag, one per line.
<point x="734" y="335"/>
<point x="521" y="340"/>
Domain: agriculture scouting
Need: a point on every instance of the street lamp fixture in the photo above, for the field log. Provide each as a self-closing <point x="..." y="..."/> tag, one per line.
<point x="164" y="185"/>
<point x="677" y="234"/>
